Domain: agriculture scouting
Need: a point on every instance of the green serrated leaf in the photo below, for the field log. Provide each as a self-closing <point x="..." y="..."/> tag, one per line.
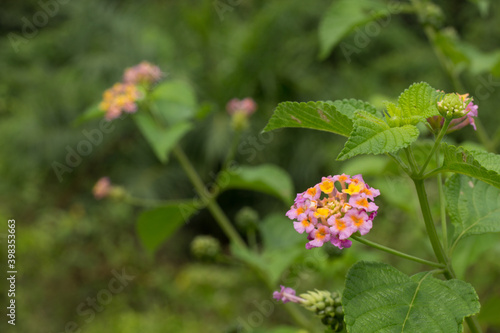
<point x="343" y="17"/>
<point x="459" y="160"/>
<point x="473" y="205"/>
<point x="266" y="178"/>
<point x="372" y="135"/>
<point x="156" y="225"/>
<point x="161" y="139"/>
<point x="322" y="116"/>
<point x="379" y="298"/>
<point x="418" y="103"/>
<point x="349" y="107"/>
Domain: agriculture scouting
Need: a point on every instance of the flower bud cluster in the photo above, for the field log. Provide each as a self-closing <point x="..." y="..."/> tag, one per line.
<point x="327" y="306"/>
<point x="330" y="214"/>
<point x="205" y="247"/>
<point x="459" y="107"/>
<point x="240" y="111"/>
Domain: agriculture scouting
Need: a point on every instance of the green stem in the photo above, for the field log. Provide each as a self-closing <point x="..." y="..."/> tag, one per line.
<point x="411" y="160"/>
<point x="232" y="150"/>
<point x="431" y="229"/>
<point x="436" y="145"/>
<point x="398" y="161"/>
<point x="212" y="205"/>
<point x="442" y="206"/>
<point x="252" y="239"/>
<point x="397" y="253"/>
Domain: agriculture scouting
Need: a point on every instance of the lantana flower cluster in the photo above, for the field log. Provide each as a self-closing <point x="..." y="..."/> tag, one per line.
<point x="143" y="73"/>
<point x="463" y="107"/>
<point x="331" y="213"/>
<point x="123" y="96"/>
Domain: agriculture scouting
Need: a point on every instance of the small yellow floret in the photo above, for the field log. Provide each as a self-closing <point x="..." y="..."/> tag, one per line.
<point x="326" y="186"/>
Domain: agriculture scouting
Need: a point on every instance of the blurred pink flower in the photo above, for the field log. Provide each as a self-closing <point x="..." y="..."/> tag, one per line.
<point x="143" y="73"/>
<point x="247" y="106"/>
<point x="102" y="188"/>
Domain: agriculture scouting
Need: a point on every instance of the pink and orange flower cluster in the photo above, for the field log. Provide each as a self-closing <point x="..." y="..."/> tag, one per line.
<point x="123" y="96"/>
<point x="331" y="213"/>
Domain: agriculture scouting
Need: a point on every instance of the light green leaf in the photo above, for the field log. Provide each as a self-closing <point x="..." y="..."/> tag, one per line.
<point x="322" y="116"/>
<point x="473" y="205"/>
<point x="349" y="107"/>
<point x="266" y="178"/>
<point x="174" y="101"/>
<point x="372" y="135"/>
<point x="161" y="139"/>
<point x="477" y="164"/>
<point x="379" y="298"/>
<point x="157" y="225"/>
<point x="343" y="17"/>
<point x="278" y="233"/>
<point x="418" y="103"/>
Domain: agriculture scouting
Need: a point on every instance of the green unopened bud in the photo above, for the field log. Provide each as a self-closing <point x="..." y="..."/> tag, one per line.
<point x="452" y="106"/>
<point x="205" y="247"/>
<point x="239" y="120"/>
<point x="247" y="219"/>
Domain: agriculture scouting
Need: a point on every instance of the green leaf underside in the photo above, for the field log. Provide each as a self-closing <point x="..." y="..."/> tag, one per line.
<point x="418" y="101"/>
<point x="266" y="178"/>
<point x="343" y="17"/>
<point x="479" y="165"/>
<point x="379" y="298"/>
<point x="161" y="139"/>
<point x="372" y="135"/>
<point x="473" y="205"/>
<point x="322" y="116"/>
<point x="156" y="225"/>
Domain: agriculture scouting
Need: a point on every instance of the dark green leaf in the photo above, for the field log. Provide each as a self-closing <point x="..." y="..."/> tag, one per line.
<point x="343" y="17"/>
<point x="322" y="116"/>
<point x="266" y="178"/>
<point x="379" y="298"/>
<point x="157" y="225"/>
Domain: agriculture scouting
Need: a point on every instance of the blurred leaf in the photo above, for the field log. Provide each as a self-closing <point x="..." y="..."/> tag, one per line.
<point x="91" y="113"/>
<point x="322" y="116"/>
<point x="157" y="225"/>
<point x="469" y="250"/>
<point x="372" y="135"/>
<point x="343" y="17"/>
<point x="175" y="101"/>
<point x="278" y="233"/>
<point x="161" y="139"/>
<point x="477" y="164"/>
<point x="280" y="329"/>
<point x="281" y="246"/>
<point x="366" y="165"/>
<point x="418" y="103"/>
<point x="378" y="297"/>
<point x="490" y="310"/>
<point x="473" y="205"/>
<point x="483" y="6"/>
<point x="266" y="178"/>
<point x="448" y="44"/>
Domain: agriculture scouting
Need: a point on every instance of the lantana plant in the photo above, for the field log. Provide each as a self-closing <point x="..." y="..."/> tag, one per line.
<point x="377" y="297"/>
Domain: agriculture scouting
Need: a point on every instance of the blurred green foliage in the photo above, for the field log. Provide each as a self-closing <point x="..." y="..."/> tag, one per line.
<point x="68" y="243"/>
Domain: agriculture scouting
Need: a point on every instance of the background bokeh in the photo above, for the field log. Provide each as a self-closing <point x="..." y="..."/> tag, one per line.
<point x="68" y="243"/>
